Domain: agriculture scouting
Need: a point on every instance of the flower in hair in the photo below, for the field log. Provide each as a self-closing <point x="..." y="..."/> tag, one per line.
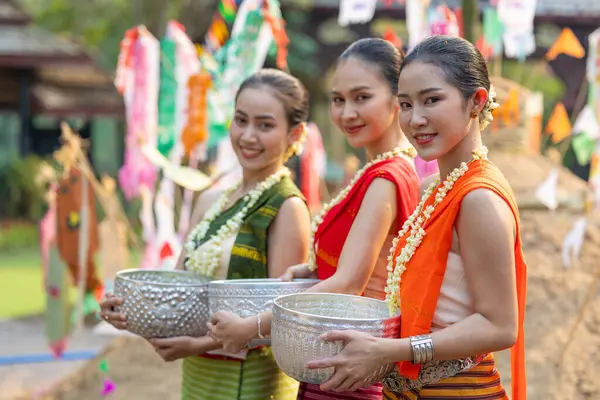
<point x="486" y="112"/>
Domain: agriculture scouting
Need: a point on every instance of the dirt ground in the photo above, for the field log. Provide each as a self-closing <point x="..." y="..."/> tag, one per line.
<point x="555" y="295"/>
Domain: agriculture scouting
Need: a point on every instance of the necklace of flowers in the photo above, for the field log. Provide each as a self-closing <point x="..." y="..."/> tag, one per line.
<point x="415" y="224"/>
<point x="318" y="220"/>
<point x="205" y="262"/>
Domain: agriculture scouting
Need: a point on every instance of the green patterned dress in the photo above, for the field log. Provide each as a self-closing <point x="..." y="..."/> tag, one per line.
<point x="258" y="376"/>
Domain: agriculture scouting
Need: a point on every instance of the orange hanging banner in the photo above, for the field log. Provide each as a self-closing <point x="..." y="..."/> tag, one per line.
<point x="196" y="130"/>
<point x="509" y="109"/>
<point x="559" y="125"/>
<point x="567" y="43"/>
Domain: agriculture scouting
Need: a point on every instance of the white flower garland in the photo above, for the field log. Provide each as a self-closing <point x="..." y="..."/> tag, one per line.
<point x="318" y="220"/>
<point x="415" y="224"/>
<point x="205" y="262"/>
<point x="490" y="105"/>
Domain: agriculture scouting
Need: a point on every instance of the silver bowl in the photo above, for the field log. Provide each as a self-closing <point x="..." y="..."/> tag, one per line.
<point x="247" y="297"/>
<point x="299" y="320"/>
<point x="161" y="304"/>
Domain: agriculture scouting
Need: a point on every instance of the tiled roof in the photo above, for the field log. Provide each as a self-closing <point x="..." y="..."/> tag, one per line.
<point x="65" y="100"/>
<point x="10" y="12"/>
<point x="31" y="41"/>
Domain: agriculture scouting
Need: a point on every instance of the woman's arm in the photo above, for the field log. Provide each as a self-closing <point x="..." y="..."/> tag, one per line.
<point x="486" y="233"/>
<point x="288" y="237"/>
<point x="357" y="261"/>
<point x="364" y="243"/>
<point x="203" y="203"/>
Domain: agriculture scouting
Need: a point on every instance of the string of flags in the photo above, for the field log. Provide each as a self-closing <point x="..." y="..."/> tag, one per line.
<point x="108" y="386"/>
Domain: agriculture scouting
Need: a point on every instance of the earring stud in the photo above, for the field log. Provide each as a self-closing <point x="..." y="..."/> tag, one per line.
<point x="474" y="114"/>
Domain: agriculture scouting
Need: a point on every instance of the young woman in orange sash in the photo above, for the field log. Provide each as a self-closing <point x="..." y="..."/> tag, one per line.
<point x="457" y="272"/>
<point x="375" y="204"/>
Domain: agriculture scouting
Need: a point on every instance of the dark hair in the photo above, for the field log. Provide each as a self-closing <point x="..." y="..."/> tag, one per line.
<point x="461" y="62"/>
<point x="288" y="89"/>
<point x="381" y="53"/>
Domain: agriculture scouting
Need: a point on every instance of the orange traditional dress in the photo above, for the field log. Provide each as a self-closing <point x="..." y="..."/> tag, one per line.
<point x="331" y="235"/>
<point x="428" y="288"/>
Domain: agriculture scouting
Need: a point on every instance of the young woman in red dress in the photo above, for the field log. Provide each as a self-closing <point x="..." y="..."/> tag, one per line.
<point x="374" y="205"/>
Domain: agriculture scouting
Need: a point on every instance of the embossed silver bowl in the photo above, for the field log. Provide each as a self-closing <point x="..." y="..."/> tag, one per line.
<point x="299" y="320"/>
<point x="161" y="304"/>
<point x="247" y="297"/>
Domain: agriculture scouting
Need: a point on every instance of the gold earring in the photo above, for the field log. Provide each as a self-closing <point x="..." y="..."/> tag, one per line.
<point x="474" y="114"/>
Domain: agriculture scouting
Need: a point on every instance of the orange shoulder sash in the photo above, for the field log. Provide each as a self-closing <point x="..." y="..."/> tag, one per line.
<point x="422" y="280"/>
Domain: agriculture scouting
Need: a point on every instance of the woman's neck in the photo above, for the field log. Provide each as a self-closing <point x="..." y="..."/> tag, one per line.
<point x="252" y="178"/>
<point x="391" y="139"/>
<point x="462" y="152"/>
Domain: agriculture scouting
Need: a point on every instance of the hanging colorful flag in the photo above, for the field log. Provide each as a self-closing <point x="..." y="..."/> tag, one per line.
<point x="196" y="130"/>
<point x="559" y="125"/>
<point x="567" y="43"/>
<point x="587" y="122"/>
<point x="416" y="21"/>
<point x="356" y="11"/>
<point x="593" y="61"/>
<point x="313" y="163"/>
<point x="484" y="48"/>
<point x="280" y="37"/>
<point x="442" y="21"/>
<point x="167" y="94"/>
<point x="243" y="55"/>
<point x="227" y="9"/>
<point x="587" y="129"/>
<point x="140" y="93"/>
<point x="390" y="36"/>
<point x="493" y="30"/>
<point x="509" y="110"/>
<point x="573" y="241"/>
<point x="547" y="191"/>
<point x="57" y="318"/>
<point x="583" y="147"/>
<point x="48" y="227"/>
<point x="77" y="235"/>
<point x="517" y="18"/>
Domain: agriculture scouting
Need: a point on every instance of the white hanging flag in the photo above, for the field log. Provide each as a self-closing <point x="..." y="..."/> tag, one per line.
<point x="587" y="123"/>
<point x="416" y="21"/>
<point x="573" y="242"/>
<point x="546" y="192"/>
<point x="517" y="17"/>
<point x="356" y="11"/>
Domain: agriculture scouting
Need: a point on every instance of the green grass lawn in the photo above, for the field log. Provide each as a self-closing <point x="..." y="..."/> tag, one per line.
<point x="21" y="289"/>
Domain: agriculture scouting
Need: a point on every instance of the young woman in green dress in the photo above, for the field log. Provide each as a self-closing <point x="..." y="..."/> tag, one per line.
<point x="255" y="229"/>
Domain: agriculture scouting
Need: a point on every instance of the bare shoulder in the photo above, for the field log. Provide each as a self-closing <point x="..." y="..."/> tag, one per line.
<point x="292" y="209"/>
<point x="380" y="191"/>
<point x="486" y="209"/>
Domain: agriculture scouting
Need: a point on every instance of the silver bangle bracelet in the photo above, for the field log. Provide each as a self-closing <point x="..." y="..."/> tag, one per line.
<point x="260" y="335"/>
<point x="422" y="348"/>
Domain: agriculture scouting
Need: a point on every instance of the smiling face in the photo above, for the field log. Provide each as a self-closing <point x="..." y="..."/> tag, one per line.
<point x="434" y="115"/>
<point x="259" y="131"/>
<point x="362" y="104"/>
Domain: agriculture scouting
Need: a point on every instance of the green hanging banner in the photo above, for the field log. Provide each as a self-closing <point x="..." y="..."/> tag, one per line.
<point x="243" y="55"/>
<point x="167" y="94"/>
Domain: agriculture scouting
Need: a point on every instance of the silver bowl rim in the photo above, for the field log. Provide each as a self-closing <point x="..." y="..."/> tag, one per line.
<point x="259" y="282"/>
<point x="124" y="272"/>
<point x="276" y="304"/>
